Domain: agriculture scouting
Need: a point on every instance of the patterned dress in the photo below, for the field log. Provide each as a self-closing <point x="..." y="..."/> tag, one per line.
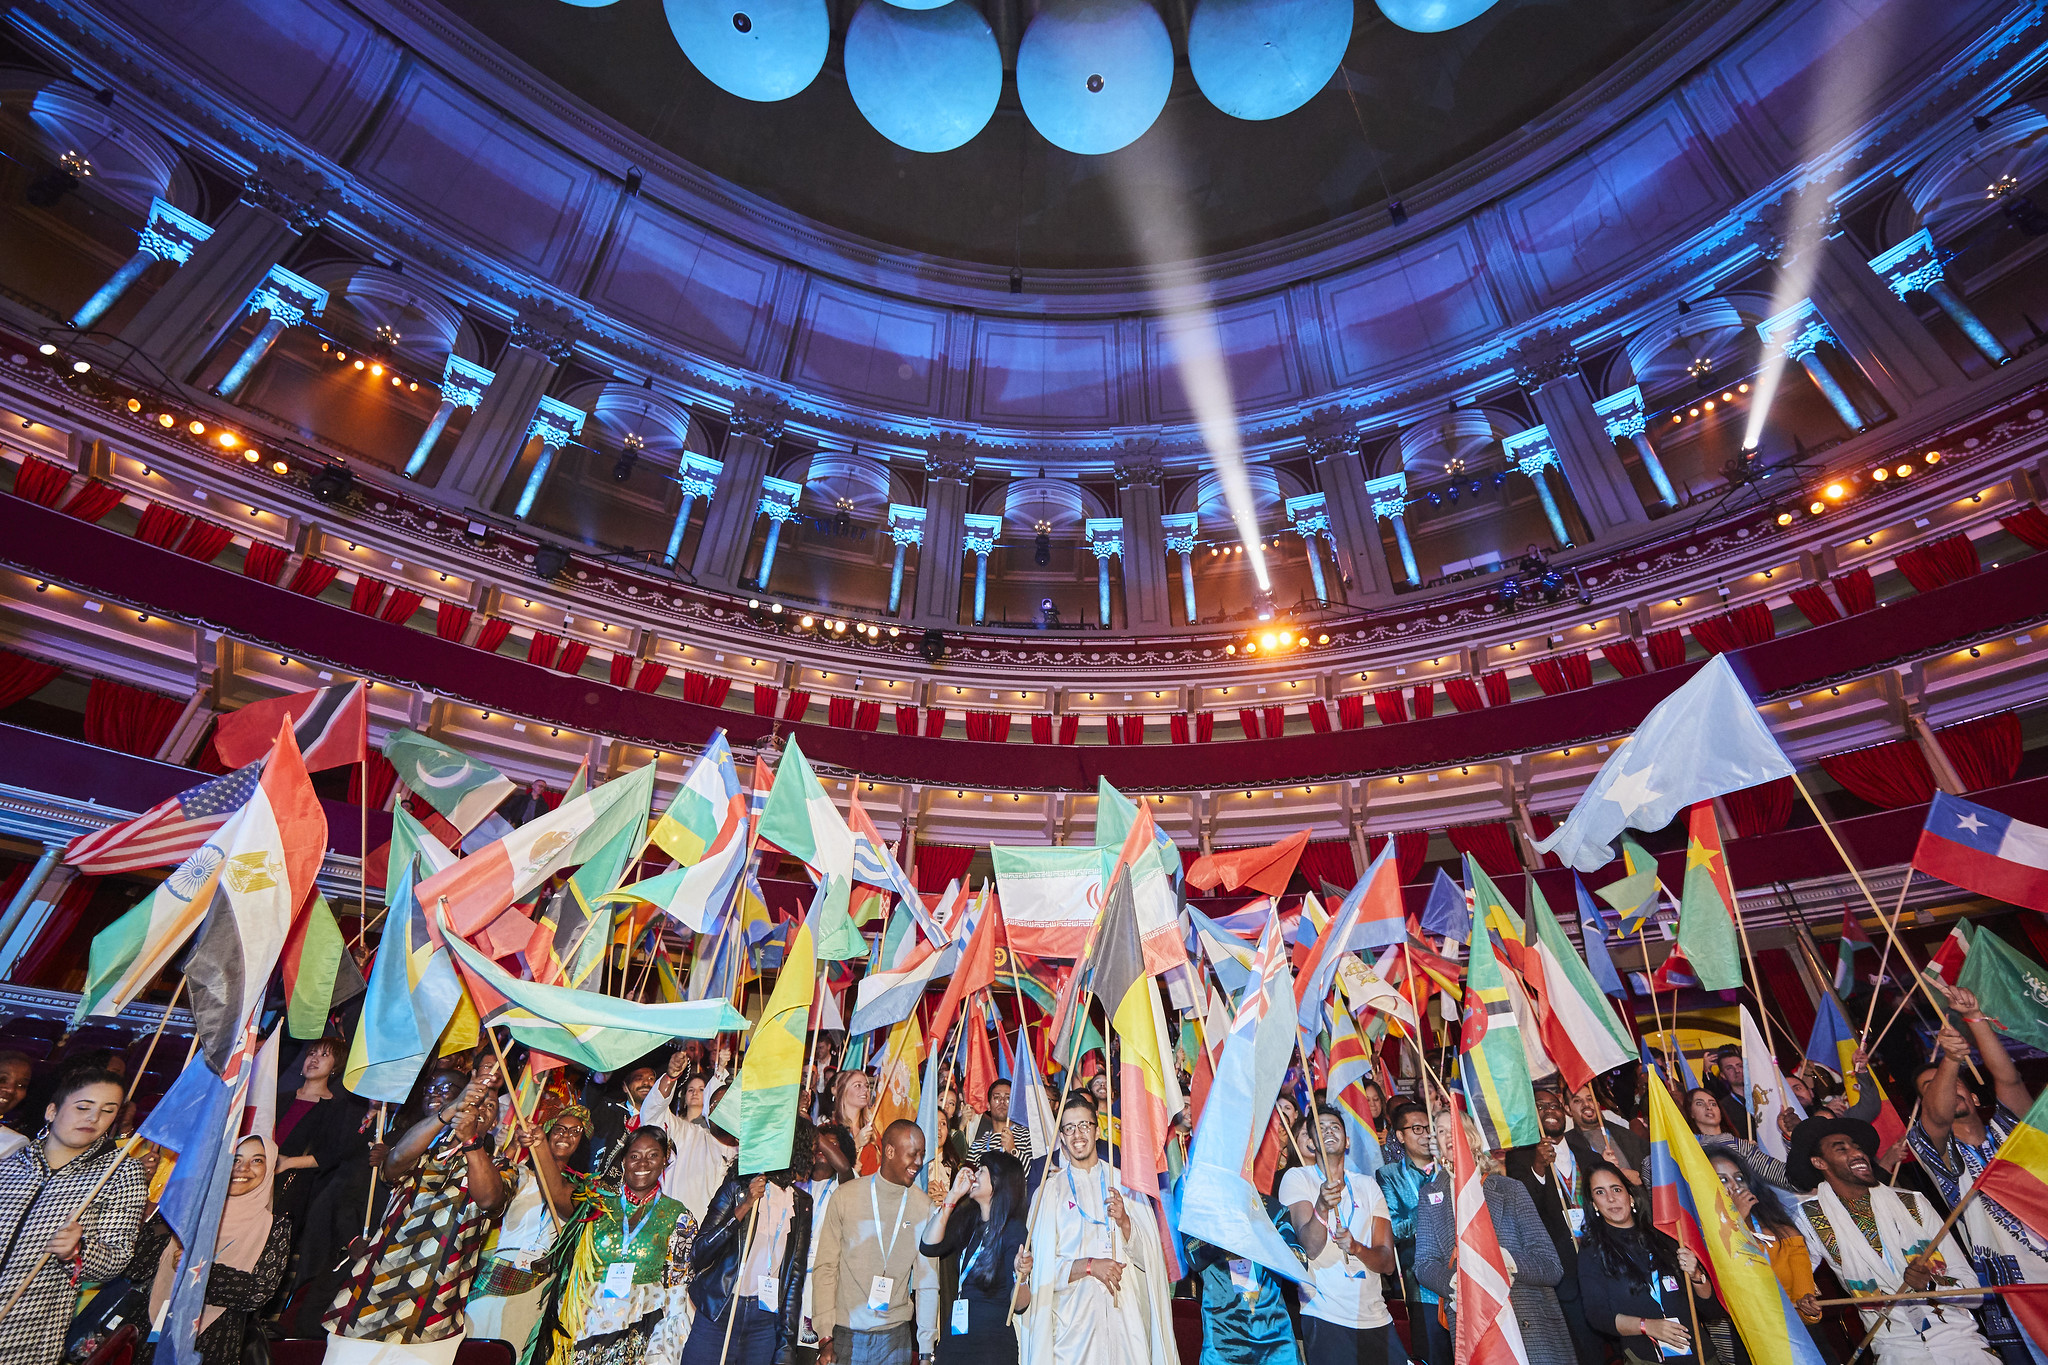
<point x="1949" y="1167"/>
<point x="603" y="1314"/>
<point x="36" y="1201"/>
<point x="408" y="1282"/>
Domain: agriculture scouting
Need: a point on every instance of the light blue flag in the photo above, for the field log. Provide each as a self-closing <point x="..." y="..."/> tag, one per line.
<point x="1593" y="930"/>
<point x="413" y="989"/>
<point x="1362" y="1153"/>
<point x="1702" y="741"/>
<point x="196" y="1119"/>
<point x="1446" y="913"/>
<point x="1345" y="933"/>
<point x="1222" y="950"/>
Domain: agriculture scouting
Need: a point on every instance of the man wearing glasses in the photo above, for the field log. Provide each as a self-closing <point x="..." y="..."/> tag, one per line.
<point x="1549" y="1171"/>
<point x="1341" y="1218"/>
<point x="1406" y="1185"/>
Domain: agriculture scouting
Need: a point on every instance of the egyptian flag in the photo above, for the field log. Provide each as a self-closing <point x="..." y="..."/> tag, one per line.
<point x="331" y="725"/>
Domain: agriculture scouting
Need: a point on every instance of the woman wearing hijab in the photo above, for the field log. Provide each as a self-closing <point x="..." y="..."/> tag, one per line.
<point x="249" y="1256"/>
<point x="505" y="1299"/>
<point x="620" y="1294"/>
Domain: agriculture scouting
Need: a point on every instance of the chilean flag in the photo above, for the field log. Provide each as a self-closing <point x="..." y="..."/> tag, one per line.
<point x="1978" y="849"/>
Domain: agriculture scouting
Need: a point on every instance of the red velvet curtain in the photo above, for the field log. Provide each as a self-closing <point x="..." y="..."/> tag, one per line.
<point x="652" y="675"/>
<point x="398" y="609"/>
<point x="906" y="719"/>
<point x="312" y="577"/>
<point x="40" y="482"/>
<point x="1624" y="658"/>
<point x="1887" y="775"/>
<point x="795" y="704"/>
<point x="204" y="541"/>
<point x="264" y="563"/>
<point x="868" y="716"/>
<point x="1411" y="846"/>
<point x="369" y="595"/>
<point x="129" y="719"/>
<point x="1985" y="752"/>
<point x="839" y="712"/>
<point x="700" y="688"/>
<point x="1388" y="704"/>
<point x="1939" y="562"/>
<point x="1749" y="624"/>
<point x="1857" y="592"/>
<point x="1070" y="728"/>
<point x="1276" y="721"/>
<point x="451" y="621"/>
<point x="1248" y="721"/>
<point x="1542" y="826"/>
<point x="938" y="864"/>
<point x="1578" y="670"/>
<point x="1463" y="694"/>
<point x="22" y="677"/>
<point x="1134" y="728"/>
<point x="935" y="725"/>
<point x="1351" y="711"/>
<point x="1176" y="728"/>
<point x="1422" y="700"/>
<point x="53" y="960"/>
<point x="1205" y="727"/>
<point x="1319" y="717"/>
<point x="1329" y="860"/>
<point x="1549" y="676"/>
<point x="1761" y="810"/>
<point x="572" y="657"/>
<point x="93" y="501"/>
<point x="161" y="525"/>
<point x="1667" y="647"/>
<point x="1815" y="605"/>
<point x="1496" y="685"/>
<point x="492" y="633"/>
<point x="1041" y="726"/>
<point x="1491" y="844"/>
<point x="1113" y="730"/>
<point x="383" y="777"/>
<point x="621" y="670"/>
<point x="765" y="698"/>
<point x="2029" y="524"/>
<point x="541" y="648"/>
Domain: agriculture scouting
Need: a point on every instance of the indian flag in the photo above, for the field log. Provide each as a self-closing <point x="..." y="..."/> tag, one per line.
<point x="760" y="1107"/>
<point x="129" y="953"/>
<point x="801" y="820"/>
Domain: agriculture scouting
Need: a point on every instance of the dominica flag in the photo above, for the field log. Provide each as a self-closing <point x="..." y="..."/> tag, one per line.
<point x="760" y="1106"/>
<point x="1490" y="909"/>
<point x="801" y="820"/>
<point x="462" y="789"/>
<point x="1706" y="906"/>
<point x="1492" y="1058"/>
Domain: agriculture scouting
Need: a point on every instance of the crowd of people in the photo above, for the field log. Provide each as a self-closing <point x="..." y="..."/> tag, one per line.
<point x="610" y="1225"/>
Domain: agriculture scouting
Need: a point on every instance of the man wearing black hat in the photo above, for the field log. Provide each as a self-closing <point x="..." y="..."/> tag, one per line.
<point x="1880" y="1242"/>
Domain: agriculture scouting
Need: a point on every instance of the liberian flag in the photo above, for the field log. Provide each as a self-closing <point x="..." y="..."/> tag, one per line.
<point x="271" y="854"/>
<point x="331" y="725"/>
<point x="1980" y="850"/>
<point x="1488" y="1333"/>
<point x="167" y="833"/>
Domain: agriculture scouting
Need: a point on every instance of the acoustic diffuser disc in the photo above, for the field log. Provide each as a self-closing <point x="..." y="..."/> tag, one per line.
<point x="762" y="50"/>
<point x="1094" y="74"/>
<point x="1259" y="59"/>
<point x="1433" y="16"/>
<point x="590" y="4"/>
<point x="927" y="79"/>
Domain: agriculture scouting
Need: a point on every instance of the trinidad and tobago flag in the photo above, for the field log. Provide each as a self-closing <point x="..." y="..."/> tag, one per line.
<point x="329" y="723"/>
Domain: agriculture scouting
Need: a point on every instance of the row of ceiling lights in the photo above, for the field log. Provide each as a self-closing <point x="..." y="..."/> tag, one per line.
<point x="1839" y="490"/>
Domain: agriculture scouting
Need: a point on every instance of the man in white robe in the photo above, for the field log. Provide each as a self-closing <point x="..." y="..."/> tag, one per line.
<point x="702" y="1153"/>
<point x="1099" y="1292"/>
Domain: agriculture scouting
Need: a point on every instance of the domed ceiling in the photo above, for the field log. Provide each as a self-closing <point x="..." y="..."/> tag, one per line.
<point x="1402" y="107"/>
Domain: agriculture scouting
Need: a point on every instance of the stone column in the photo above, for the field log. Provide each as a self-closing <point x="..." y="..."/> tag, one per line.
<point x="554" y="424"/>
<point x="462" y="386"/>
<point x="697" y="477"/>
<point x="735" y="502"/>
<point x="1180" y="540"/>
<point x="1354" y="533"/>
<point x="1877" y="332"/>
<point x="186" y="319"/>
<point x="498" y="431"/>
<point x="1310" y="517"/>
<point x="1623" y="414"/>
<point x="287" y="299"/>
<point x="978" y="533"/>
<point x="1389" y="499"/>
<point x="1800" y="331"/>
<point x="949" y="468"/>
<point x="1548" y="369"/>
<point x="1914" y="266"/>
<point x="779" y="498"/>
<point x="1532" y="452"/>
<point x="906" y="528"/>
<point x="1138" y="481"/>
<point x="169" y="235"/>
<point x="25" y="894"/>
<point x="1105" y="542"/>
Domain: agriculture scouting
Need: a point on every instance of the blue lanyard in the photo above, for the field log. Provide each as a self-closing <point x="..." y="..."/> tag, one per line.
<point x="1074" y="1196"/>
<point x="629" y="1229"/>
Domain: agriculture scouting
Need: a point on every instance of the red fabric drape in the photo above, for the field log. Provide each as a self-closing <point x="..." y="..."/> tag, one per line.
<point x="1667" y="647"/>
<point x="50" y="960"/>
<point x="1786" y="989"/>
<point x="868" y="716"/>
<point x="652" y="675"/>
<point x="1542" y="826"/>
<point x="1248" y="721"/>
<point x="2029" y="524"/>
<point x="1388" y="704"/>
<point x="1187" y="860"/>
<point x="264" y="563"/>
<point x="1887" y="775"/>
<point x="1329" y="860"/>
<point x="1939" y="562"/>
<point x="1422" y="700"/>
<point x="41" y="482"/>
<point x="1463" y="694"/>
<point x="1985" y="752"/>
<point x="1815" y="605"/>
<point x="1276" y="721"/>
<point x="1491" y="844"/>
<point x="492" y="633"/>
<point x="369" y="595"/>
<point x="383" y="777"/>
<point x="795" y="704"/>
<point x="1351" y="711"/>
<point x="541" y="648"/>
<point x="765" y="698"/>
<point x="988" y="726"/>
<point x="839" y="712"/>
<point x="451" y="621"/>
<point x="400" y="606"/>
<point x="1113" y="730"/>
<point x="572" y="657"/>
<point x="1578" y="670"/>
<point x="129" y="719"/>
<point x="935" y="725"/>
<point x="1070" y="728"/>
<point x="1749" y="624"/>
<point x="701" y="688"/>
<point x="1177" y="728"/>
<point x="1624" y="658"/>
<point x="938" y="864"/>
<point x="906" y="719"/>
<point x="161" y="525"/>
<point x="312" y="577"/>
<point x="1496" y="685"/>
<point x="1205" y="727"/>
<point x="1041" y="725"/>
<point x="204" y="541"/>
<point x="1857" y="592"/>
<point x="1319" y="716"/>
<point x="1134" y="729"/>
<point x="22" y="677"/>
<point x="621" y="670"/>
<point x="1411" y="846"/>
<point x="93" y="501"/>
<point x="1549" y="675"/>
<point x="1761" y="810"/>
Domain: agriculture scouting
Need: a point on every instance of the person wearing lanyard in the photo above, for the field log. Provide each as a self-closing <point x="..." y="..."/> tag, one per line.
<point x="1408" y="1186"/>
<point x="995" y="1269"/>
<point x="1341" y="1219"/>
<point x="867" y="1270"/>
<point x="1549" y="1171"/>
<point x="1633" y="1278"/>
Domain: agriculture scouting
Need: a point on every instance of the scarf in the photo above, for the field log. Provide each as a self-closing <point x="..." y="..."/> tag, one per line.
<point x="244" y="1231"/>
<point x="1863" y="1270"/>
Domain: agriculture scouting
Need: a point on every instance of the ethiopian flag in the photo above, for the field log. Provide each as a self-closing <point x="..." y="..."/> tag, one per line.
<point x="760" y="1108"/>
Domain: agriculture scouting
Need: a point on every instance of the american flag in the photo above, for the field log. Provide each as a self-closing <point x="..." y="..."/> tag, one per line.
<point x="167" y="833"/>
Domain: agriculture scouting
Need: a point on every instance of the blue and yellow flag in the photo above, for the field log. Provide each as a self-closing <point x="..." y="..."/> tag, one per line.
<point x="413" y="989"/>
<point x="1492" y="1061"/>
<point x="760" y="1107"/>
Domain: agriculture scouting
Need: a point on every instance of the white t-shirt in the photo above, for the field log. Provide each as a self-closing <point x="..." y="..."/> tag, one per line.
<point x="1344" y="1291"/>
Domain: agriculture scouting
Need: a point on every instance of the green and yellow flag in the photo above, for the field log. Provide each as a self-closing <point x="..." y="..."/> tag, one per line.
<point x="760" y="1108"/>
<point x="1492" y="1059"/>
<point x="1706" y="907"/>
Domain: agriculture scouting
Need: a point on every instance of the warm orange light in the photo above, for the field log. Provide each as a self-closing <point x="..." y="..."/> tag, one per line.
<point x="228" y="440"/>
<point x="1230" y="650"/>
<point x="1880" y="475"/>
<point x="1784" y="518"/>
<point x="164" y="419"/>
<point x="1934" y="457"/>
<point x="1742" y="388"/>
<point x="359" y="364"/>
<point x="197" y="428"/>
<point x="1286" y="637"/>
<point x="1266" y="641"/>
<point x="1818" y="508"/>
<point x="1837" y="492"/>
<point x="1904" y="471"/>
<point x="252" y="455"/>
<point x="1251" y="647"/>
<point x="280" y="467"/>
<point x="377" y="371"/>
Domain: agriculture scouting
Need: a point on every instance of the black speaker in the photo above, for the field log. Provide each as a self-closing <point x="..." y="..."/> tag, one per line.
<point x="1041" y="550"/>
<point x="550" y="560"/>
<point x="332" y="483"/>
<point x="932" y="646"/>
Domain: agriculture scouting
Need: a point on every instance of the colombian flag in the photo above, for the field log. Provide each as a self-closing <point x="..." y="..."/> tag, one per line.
<point x="1687" y="1202"/>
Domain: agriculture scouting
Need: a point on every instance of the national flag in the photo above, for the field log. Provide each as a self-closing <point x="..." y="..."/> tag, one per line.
<point x="1115" y="813"/>
<point x="760" y="1106"/>
<point x="1833" y="1045"/>
<point x="2008" y="987"/>
<point x="898" y="1093"/>
<point x="1446" y="914"/>
<point x="1148" y="1092"/>
<point x="801" y="820"/>
<point x="1152" y="896"/>
<point x="331" y="725"/>
<point x="1981" y="850"/>
<point x="1229" y="955"/>
<point x="1219" y="1200"/>
<point x="1380" y="918"/>
<point x="320" y="974"/>
<point x="413" y="988"/>
<point x="1266" y="869"/>
<point x="1768" y="1095"/>
<point x="571" y="945"/>
<point x="1367" y="993"/>
<point x="271" y="853"/>
<point x="1634" y="894"/>
<point x="1593" y="933"/>
<point x="1246" y="922"/>
<point x="974" y="970"/>
<point x="705" y="830"/>
<point x="1704" y="740"/>
<point x="1490" y="909"/>
<point x="1853" y="937"/>
<point x="2017" y="1175"/>
<point x="1488" y="1332"/>
<point x="167" y="833"/>
<point x="1688" y="1202"/>
<point x="463" y="789"/>
<point x="1948" y="959"/>
<point x="1707" y="908"/>
<point x="129" y="953"/>
<point x="1051" y="896"/>
<point x="1578" y="1025"/>
<point x="1029" y="1104"/>
<point x="1350" y="1068"/>
<point x="891" y="995"/>
<point x="876" y="872"/>
<point x="1493" y="1059"/>
<point x="1674" y="973"/>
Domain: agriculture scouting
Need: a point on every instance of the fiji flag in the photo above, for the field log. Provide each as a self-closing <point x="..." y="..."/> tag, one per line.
<point x="1978" y="849"/>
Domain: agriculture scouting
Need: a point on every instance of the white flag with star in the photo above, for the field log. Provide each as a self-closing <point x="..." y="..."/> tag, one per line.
<point x="1702" y="741"/>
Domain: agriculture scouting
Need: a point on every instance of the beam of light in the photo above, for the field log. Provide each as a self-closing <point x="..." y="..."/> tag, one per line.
<point x="1847" y="77"/>
<point x="1156" y="201"/>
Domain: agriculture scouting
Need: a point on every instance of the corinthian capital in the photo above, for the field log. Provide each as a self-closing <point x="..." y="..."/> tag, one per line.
<point x="1543" y="357"/>
<point x="759" y="414"/>
<point x="949" y="457"/>
<point x="290" y="191"/>
<point x="549" y="331"/>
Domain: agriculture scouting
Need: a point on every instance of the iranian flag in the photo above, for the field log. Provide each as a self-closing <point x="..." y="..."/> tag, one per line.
<point x="801" y="820"/>
<point x="1051" y="897"/>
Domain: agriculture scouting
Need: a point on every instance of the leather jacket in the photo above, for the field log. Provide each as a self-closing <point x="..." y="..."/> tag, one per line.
<point x="720" y="1242"/>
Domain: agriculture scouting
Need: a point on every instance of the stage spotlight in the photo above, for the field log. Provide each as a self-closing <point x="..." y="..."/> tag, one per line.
<point x="1266" y="641"/>
<point x="1817" y="508"/>
<point x="932" y="646"/>
<point x="1251" y="646"/>
<point x="807" y="622"/>
<point x="1903" y="471"/>
<point x="1784" y="518"/>
<point x="1836" y="492"/>
<point x="1933" y="457"/>
<point x="1880" y="475"/>
<point x="333" y="483"/>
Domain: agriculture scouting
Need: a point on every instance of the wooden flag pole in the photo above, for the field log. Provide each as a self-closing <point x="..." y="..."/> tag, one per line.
<point x="505" y="1070"/>
<point x="150" y="1051"/>
<point x="733" y="1304"/>
<point x="1650" y="980"/>
<point x="1933" y="1248"/>
<point x="811" y="1059"/>
<point x="1066" y="1079"/>
<point x="1884" y="958"/>
<point x="127" y="1150"/>
<point x="363" y="848"/>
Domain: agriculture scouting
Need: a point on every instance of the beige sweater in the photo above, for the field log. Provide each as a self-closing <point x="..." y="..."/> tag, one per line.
<point x="851" y="1254"/>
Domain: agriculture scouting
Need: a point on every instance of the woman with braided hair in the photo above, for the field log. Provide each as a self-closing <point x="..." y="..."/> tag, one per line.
<point x="505" y="1298"/>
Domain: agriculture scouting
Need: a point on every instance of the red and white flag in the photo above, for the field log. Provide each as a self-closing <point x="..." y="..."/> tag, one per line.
<point x="167" y="833"/>
<point x="331" y="725"/>
<point x="1487" y="1331"/>
<point x="1947" y="962"/>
